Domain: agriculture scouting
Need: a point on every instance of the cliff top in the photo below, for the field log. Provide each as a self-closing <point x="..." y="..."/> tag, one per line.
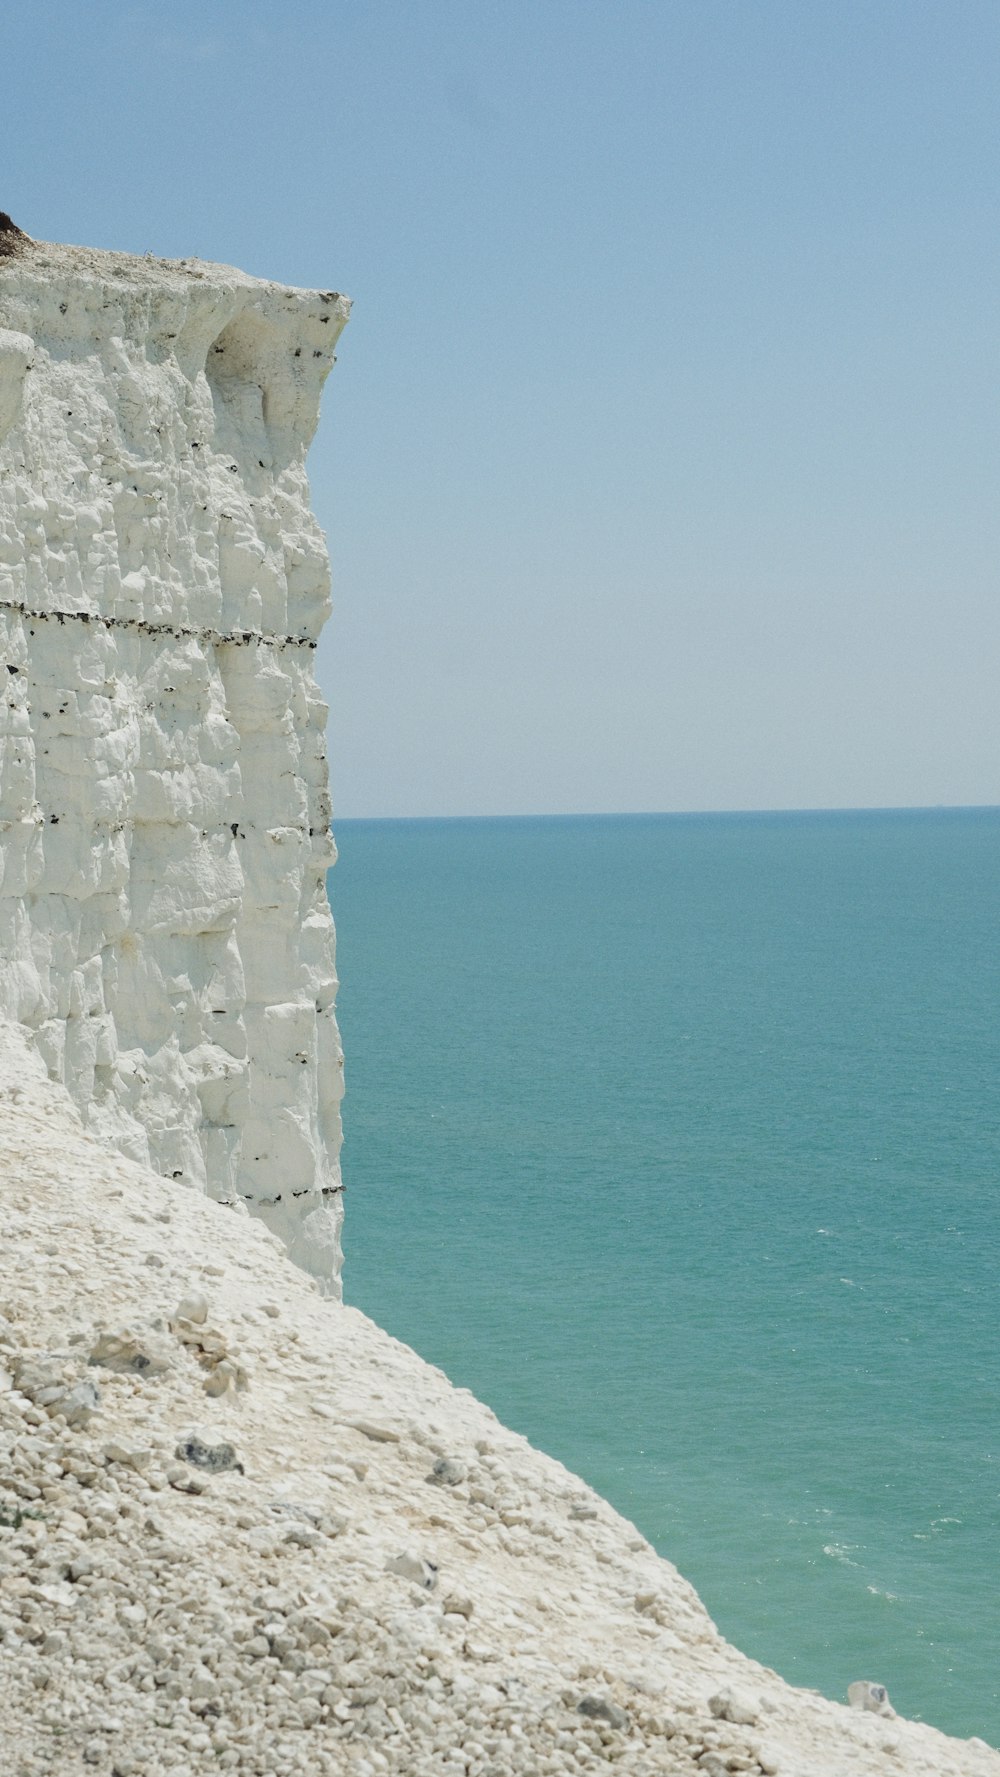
<point x="19" y="253"/>
<point x="64" y="307"/>
<point x="12" y="238"/>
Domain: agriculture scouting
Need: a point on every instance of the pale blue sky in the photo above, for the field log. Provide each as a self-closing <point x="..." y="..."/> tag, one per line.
<point x="659" y="468"/>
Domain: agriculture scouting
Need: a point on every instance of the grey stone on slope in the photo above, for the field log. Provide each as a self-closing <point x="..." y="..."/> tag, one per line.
<point x="213" y="1457"/>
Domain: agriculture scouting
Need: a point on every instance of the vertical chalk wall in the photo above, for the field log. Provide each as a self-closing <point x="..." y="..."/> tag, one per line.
<point x="164" y="813"/>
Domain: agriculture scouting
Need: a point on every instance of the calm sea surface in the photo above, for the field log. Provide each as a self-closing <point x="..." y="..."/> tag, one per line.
<point x="677" y="1140"/>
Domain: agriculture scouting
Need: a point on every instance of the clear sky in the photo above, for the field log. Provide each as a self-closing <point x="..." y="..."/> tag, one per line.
<point x="660" y="464"/>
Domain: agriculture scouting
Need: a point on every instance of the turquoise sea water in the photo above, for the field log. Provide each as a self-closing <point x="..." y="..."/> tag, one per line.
<point x="676" y="1140"/>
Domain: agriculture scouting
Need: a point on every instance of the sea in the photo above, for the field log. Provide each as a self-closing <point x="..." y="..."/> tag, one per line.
<point x="676" y="1139"/>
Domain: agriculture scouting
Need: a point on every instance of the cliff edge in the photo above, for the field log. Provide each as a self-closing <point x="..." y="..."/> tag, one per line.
<point x="164" y="811"/>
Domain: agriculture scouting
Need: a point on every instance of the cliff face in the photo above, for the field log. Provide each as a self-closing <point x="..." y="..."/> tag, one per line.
<point x="164" y="816"/>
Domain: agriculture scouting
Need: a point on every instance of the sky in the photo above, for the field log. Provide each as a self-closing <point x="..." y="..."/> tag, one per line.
<point x="659" y="466"/>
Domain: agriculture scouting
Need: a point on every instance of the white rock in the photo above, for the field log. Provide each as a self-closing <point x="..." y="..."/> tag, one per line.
<point x="412" y="1566"/>
<point x="164" y="812"/>
<point x="731" y="1704"/>
<point x="448" y="1471"/>
<point x="193" y="1308"/>
<point x="130" y="1348"/>
<point x="378" y="1430"/>
<point x="134" y="1456"/>
<point x="458" y="1604"/>
<point x="874" y="1698"/>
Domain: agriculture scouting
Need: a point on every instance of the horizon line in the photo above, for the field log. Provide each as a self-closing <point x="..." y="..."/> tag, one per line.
<point x="681" y="814"/>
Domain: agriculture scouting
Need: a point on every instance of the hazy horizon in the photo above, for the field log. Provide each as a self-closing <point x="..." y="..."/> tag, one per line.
<point x="674" y="814"/>
<point x="659" y="467"/>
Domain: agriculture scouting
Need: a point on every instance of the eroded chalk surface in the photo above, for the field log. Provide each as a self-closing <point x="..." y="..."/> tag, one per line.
<point x="242" y="1529"/>
<point x="164" y="812"/>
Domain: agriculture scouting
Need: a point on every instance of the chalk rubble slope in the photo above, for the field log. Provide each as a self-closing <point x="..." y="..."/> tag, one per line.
<point x="383" y="1580"/>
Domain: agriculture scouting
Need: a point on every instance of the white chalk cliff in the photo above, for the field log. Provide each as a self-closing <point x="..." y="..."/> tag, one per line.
<point x="241" y="1529"/>
<point x="165" y="933"/>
